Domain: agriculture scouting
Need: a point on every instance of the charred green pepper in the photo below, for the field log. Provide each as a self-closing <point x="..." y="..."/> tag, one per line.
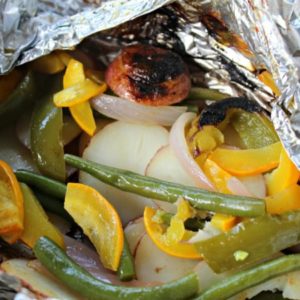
<point x="46" y="138"/>
<point x="22" y="97"/>
<point x="245" y="116"/>
<point x="251" y="241"/>
<point x="254" y="129"/>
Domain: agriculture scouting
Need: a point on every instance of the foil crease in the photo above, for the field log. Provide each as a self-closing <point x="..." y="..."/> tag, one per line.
<point x="262" y="35"/>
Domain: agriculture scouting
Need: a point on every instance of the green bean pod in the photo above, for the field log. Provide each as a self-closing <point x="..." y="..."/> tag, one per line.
<point x="126" y="270"/>
<point x="44" y="184"/>
<point x="170" y="192"/>
<point x="243" y="280"/>
<point x="78" y="279"/>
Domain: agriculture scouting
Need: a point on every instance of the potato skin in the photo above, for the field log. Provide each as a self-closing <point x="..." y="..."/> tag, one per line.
<point x="149" y="75"/>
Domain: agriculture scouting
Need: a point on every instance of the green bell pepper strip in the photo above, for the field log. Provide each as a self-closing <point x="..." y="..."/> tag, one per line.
<point x="199" y="93"/>
<point x="126" y="270"/>
<point x="20" y="99"/>
<point x="46" y="141"/>
<point x="257" y="238"/>
<point x="42" y="183"/>
<point x="238" y="282"/>
<point x="170" y="192"/>
<point x="254" y="129"/>
<point x="78" y="279"/>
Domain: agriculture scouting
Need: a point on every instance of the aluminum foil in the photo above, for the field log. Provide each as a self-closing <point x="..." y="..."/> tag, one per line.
<point x="230" y="41"/>
<point x="32" y="28"/>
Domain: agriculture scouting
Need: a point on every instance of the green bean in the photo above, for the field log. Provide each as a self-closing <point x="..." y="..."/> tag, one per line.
<point x="170" y="192"/>
<point x="238" y="282"/>
<point x="126" y="270"/>
<point x="78" y="279"/>
<point x="44" y="184"/>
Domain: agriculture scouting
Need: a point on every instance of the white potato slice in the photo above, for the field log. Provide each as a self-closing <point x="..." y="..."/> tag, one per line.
<point x="42" y="282"/>
<point x="166" y="166"/>
<point x="126" y="146"/>
<point x="207" y="277"/>
<point x="154" y="265"/>
<point x="134" y="231"/>
<point x="291" y="289"/>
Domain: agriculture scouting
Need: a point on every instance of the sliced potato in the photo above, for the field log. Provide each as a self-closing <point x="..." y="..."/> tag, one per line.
<point x="126" y="146"/>
<point x="134" y="231"/>
<point x="255" y="185"/>
<point x="39" y="281"/>
<point x="207" y="277"/>
<point x="154" y="265"/>
<point x="166" y="166"/>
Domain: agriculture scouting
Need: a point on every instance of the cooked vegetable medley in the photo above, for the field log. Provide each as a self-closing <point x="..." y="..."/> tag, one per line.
<point x="120" y="194"/>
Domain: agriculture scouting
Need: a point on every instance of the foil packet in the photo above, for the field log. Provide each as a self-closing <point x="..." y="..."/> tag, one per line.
<point x="230" y="42"/>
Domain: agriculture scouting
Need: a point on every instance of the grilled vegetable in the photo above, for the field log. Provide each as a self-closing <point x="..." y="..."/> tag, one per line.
<point x="11" y="205"/>
<point x="36" y="222"/>
<point x="42" y="183"/>
<point x="240" y="281"/>
<point x="126" y="270"/>
<point x="46" y="141"/>
<point x="22" y="97"/>
<point x="170" y="192"/>
<point x="259" y="238"/>
<point x="58" y="263"/>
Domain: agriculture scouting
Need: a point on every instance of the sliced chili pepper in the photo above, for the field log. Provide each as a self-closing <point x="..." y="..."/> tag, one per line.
<point x="78" y="279"/>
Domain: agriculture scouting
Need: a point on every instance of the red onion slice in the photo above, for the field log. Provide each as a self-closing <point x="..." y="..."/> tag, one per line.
<point x="180" y="148"/>
<point x="129" y="111"/>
